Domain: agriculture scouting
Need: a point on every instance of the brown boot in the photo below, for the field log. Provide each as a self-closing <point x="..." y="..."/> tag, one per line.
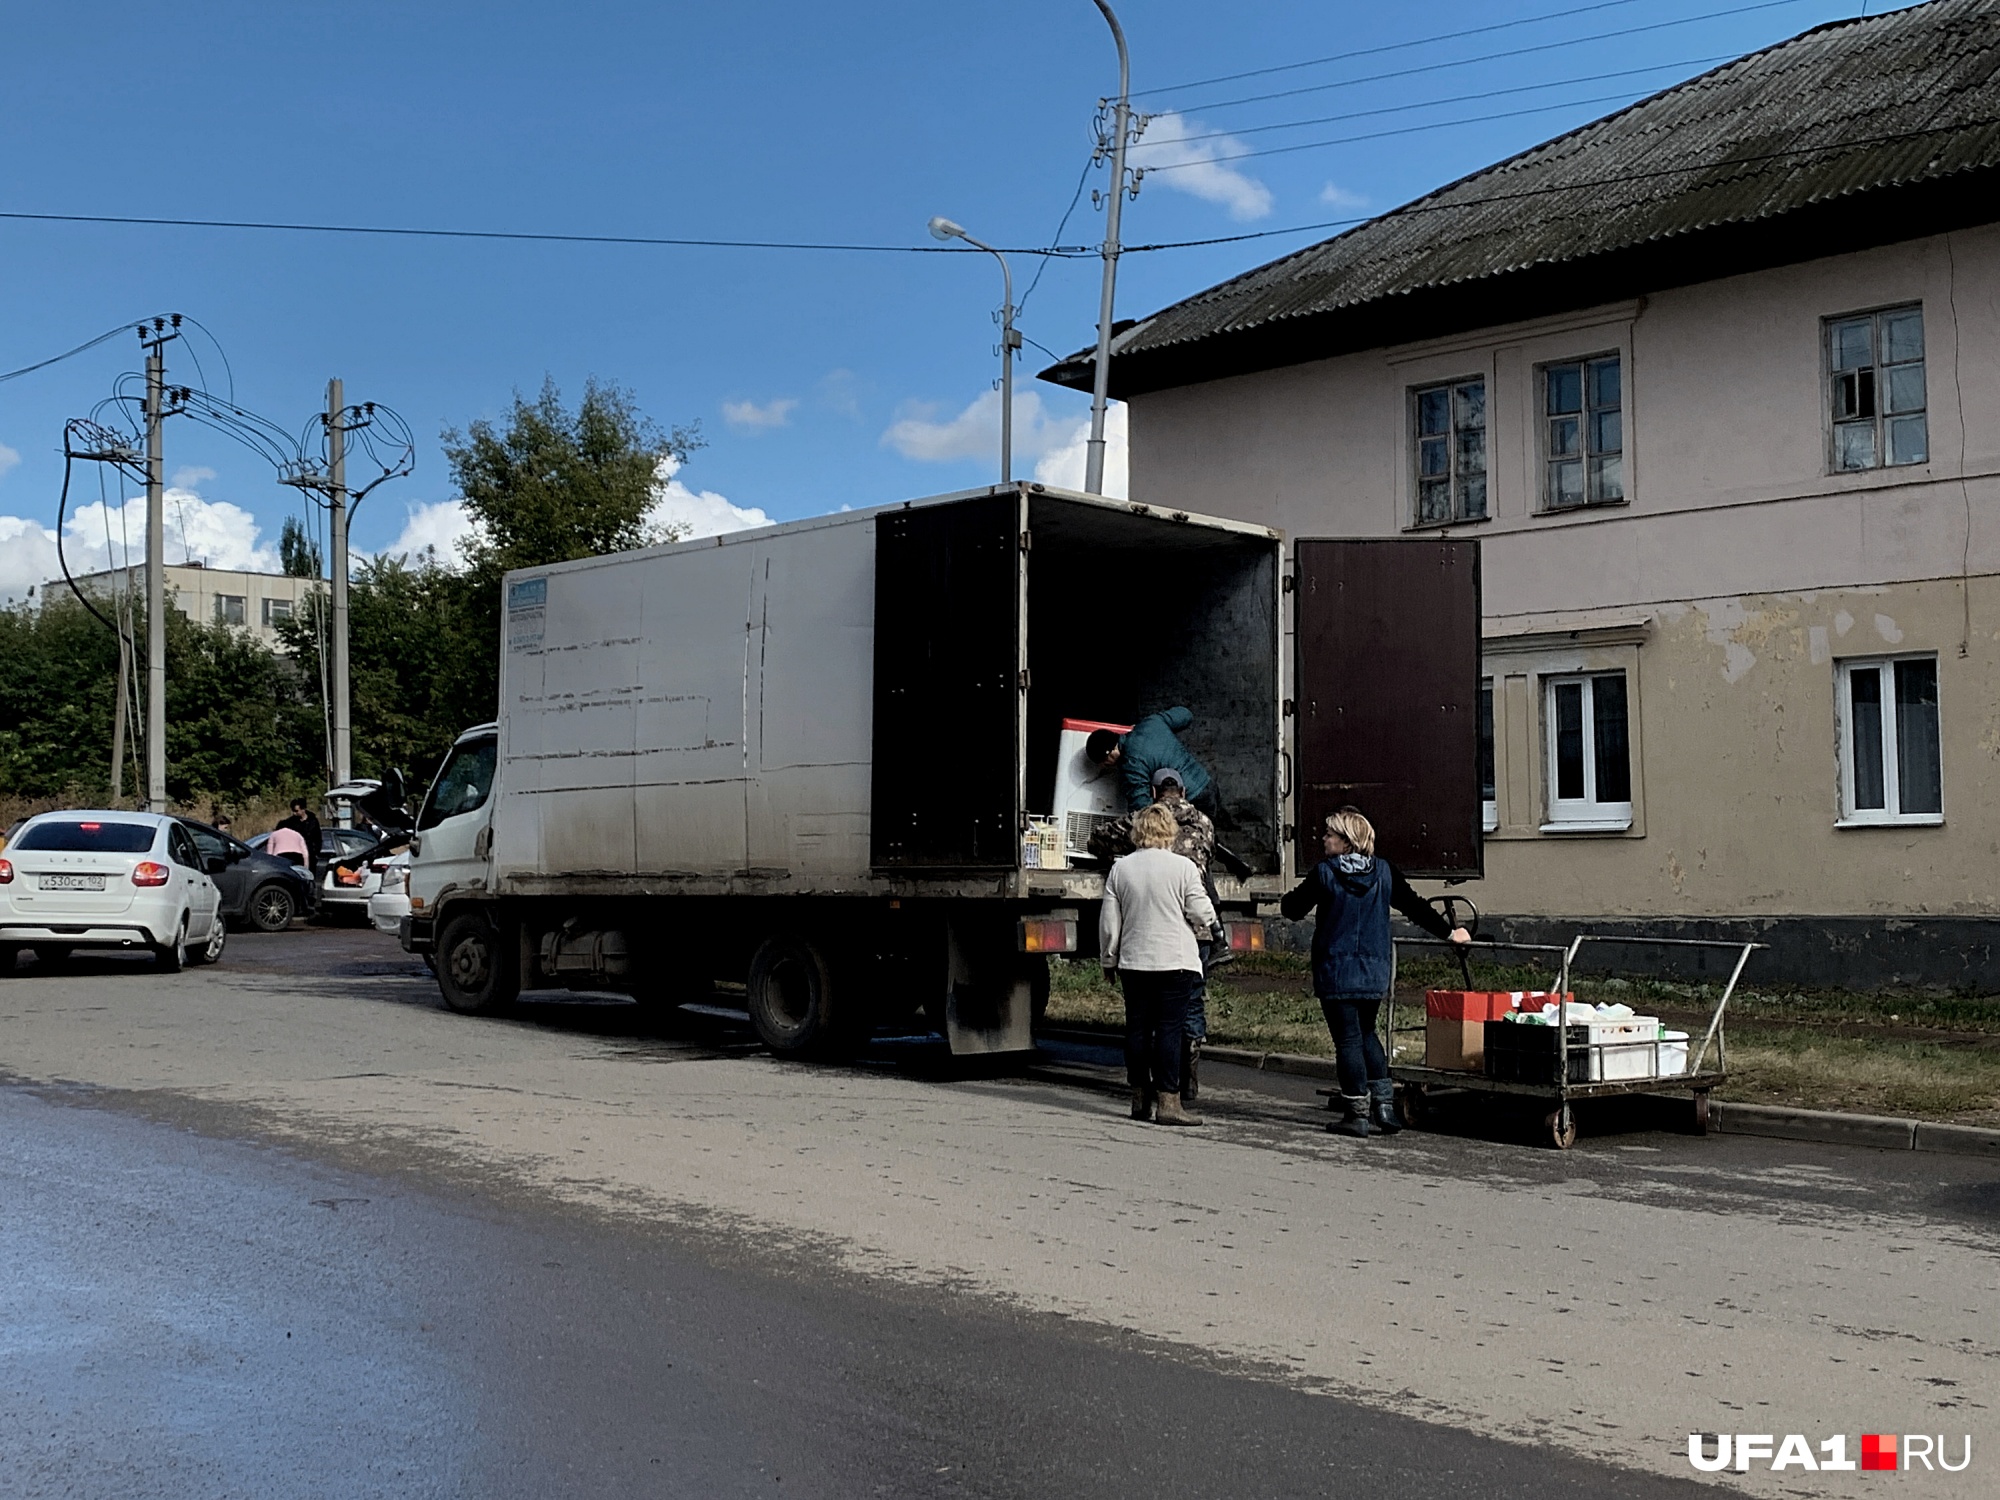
<point x="1172" y="1112"/>
<point x="1142" y="1104"/>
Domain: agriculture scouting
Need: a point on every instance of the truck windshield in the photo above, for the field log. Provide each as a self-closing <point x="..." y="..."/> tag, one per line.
<point x="462" y="785"/>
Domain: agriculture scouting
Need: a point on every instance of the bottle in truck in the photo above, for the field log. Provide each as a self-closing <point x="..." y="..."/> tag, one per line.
<point x="814" y="758"/>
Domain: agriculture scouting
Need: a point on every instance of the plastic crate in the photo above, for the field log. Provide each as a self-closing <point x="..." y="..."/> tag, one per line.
<point x="1522" y="1053"/>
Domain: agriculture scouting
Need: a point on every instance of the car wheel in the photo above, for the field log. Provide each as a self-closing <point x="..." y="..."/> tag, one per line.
<point x="173" y="956"/>
<point x="210" y="951"/>
<point x="475" y="964"/>
<point x="272" y="907"/>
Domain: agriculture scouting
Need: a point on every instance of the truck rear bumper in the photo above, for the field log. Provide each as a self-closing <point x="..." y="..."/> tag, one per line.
<point x="415" y="933"/>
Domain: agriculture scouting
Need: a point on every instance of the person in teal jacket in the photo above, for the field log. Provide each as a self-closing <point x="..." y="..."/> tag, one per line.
<point x="1154" y="744"/>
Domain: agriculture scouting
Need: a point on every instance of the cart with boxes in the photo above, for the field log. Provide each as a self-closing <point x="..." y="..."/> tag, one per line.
<point x="1542" y="1045"/>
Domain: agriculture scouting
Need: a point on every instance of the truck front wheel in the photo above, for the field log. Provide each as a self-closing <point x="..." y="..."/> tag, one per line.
<point x="475" y="964"/>
<point x="791" y="996"/>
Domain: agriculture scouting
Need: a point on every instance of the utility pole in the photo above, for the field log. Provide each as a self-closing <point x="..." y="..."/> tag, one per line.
<point x="336" y="499"/>
<point x="1100" y="380"/>
<point x="155" y="337"/>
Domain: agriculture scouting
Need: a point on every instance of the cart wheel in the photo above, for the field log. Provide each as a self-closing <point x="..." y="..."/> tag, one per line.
<point x="1414" y="1104"/>
<point x="1701" y="1111"/>
<point x="1561" y="1126"/>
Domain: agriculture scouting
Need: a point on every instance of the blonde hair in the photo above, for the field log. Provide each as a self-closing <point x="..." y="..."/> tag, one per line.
<point x="1154" y="827"/>
<point x="1357" y="830"/>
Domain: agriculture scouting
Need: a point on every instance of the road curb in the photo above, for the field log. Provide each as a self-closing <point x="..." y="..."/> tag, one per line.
<point x="1887" y="1133"/>
<point x="1883" y="1132"/>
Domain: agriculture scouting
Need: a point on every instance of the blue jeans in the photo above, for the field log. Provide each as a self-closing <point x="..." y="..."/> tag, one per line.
<point x="1197" y="1016"/>
<point x="1357" y="1050"/>
<point x="1156" y="1006"/>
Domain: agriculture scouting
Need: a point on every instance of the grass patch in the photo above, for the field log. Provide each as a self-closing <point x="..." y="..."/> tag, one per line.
<point x="1931" y="1056"/>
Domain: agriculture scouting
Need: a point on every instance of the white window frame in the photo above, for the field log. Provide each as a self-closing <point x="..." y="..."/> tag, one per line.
<point x="1489" y="807"/>
<point x="1584" y="814"/>
<point x="277" y="611"/>
<point x="1878" y="370"/>
<point x="222" y="603"/>
<point x="1890" y="813"/>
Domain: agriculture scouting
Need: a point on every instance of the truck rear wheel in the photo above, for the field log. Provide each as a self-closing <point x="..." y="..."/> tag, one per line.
<point x="791" y="997"/>
<point x="476" y="964"/>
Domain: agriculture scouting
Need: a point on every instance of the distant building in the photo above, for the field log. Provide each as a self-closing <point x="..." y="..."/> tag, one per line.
<point x="1716" y="382"/>
<point x="257" y="602"/>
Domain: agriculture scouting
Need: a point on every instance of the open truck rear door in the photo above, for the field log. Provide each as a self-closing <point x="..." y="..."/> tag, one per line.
<point x="1386" y="672"/>
<point x="947" y="699"/>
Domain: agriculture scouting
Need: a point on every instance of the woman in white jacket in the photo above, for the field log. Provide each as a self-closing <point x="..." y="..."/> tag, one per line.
<point x="1153" y="907"/>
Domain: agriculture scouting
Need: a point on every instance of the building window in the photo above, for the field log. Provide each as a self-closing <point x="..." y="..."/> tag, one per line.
<point x="276" y="612"/>
<point x="1590" y="755"/>
<point x="1451" y="452"/>
<point x="1891" y="768"/>
<point x="231" y="609"/>
<point x="1489" y="805"/>
<point x="1583" y="436"/>
<point x="1875" y="389"/>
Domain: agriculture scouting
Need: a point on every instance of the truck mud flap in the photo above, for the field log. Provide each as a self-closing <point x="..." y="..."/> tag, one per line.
<point x="990" y="1005"/>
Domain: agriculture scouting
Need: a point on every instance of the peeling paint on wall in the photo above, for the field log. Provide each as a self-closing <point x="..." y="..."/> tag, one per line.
<point x="1820" y="648"/>
<point x="1886" y="628"/>
<point x="1842" y="623"/>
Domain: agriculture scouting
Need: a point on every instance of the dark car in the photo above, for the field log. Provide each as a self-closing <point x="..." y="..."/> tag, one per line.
<point x="260" y="889"/>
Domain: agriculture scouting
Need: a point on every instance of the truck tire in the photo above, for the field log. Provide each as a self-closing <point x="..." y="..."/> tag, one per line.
<point x="791" y="998"/>
<point x="272" y="907"/>
<point x="476" y="964"/>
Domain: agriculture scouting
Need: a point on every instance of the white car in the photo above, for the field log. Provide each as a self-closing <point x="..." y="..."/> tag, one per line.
<point x="391" y="903"/>
<point x="116" y="880"/>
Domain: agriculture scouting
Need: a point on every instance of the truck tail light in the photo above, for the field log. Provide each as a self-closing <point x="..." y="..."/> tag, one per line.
<point x="6" y="872"/>
<point x="1245" y="937"/>
<point x="1047" y="935"/>
<point x="149" y="873"/>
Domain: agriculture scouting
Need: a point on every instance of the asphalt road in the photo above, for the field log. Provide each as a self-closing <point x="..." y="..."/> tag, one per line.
<point x="284" y="1229"/>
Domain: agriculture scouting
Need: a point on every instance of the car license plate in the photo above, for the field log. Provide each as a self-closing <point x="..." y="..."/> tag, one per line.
<point x="72" y="883"/>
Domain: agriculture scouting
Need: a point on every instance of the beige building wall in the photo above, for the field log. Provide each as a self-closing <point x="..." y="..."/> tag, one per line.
<point x="1736" y="576"/>
<point x="253" y="601"/>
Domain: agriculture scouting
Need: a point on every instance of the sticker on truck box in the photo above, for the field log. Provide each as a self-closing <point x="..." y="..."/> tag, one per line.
<point x="527" y="609"/>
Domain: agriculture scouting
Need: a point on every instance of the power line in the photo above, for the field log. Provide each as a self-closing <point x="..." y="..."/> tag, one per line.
<point x="1378" y="135"/>
<point x="68" y="353"/>
<point x="1445" y="36"/>
<point x="1398" y="109"/>
<point x="1466" y="62"/>
<point x="550" y="238"/>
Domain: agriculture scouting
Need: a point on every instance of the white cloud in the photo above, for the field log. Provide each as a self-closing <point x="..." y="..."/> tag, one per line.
<point x="1333" y="195"/>
<point x="840" y="391"/>
<point x="439" y="528"/>
<point x="748" y="416"/>
<point x="1170" y="142"/>
<point x="1056" y="444"/>
<point x="684" y="513"/>
<point x="99" y="536"/>
<point x="1062" y="467"/>
<point x="192" y="475"/>
<point x="8" y="458"/>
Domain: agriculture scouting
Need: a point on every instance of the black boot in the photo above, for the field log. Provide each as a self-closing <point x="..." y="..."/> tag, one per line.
<point x="1382" y="1107"/>
<point x="1355" y="1120"/>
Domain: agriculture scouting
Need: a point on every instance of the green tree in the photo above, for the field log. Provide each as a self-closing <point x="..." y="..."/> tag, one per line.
<point x="298" y="552"/>
<point x="556" y="484"/>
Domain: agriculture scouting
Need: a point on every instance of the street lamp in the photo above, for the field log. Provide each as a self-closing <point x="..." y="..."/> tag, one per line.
<point x="943" y="229"/>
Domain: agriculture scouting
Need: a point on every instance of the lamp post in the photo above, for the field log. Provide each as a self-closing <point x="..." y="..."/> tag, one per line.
<point x="944" y="229"/>
<point x="1100" y="380"/>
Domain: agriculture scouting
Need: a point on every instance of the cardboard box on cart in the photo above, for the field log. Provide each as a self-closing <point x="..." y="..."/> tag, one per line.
<point x="1455" y="1023"/>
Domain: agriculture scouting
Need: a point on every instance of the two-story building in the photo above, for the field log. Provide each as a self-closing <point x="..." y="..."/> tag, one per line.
<point x="1716" y="382"/>
<point x="257" y="602"/>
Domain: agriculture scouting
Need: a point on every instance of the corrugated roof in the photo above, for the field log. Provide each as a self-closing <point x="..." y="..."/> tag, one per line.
<point x="1854" y="107"/>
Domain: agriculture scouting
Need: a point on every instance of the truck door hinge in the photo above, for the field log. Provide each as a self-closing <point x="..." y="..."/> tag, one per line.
<point x="1290" y="708"/>
<point x="1024" y="679"/>
<point x="1291" y="584"/>
<point x="1027" y="541"/>
<point x="1291" y="833"/>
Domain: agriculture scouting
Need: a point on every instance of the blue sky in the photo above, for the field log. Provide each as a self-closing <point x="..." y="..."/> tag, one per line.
<point x="819" y="379"/>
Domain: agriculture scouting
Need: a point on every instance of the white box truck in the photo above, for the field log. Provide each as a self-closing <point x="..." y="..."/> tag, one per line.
<point x="804" y="756"/>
